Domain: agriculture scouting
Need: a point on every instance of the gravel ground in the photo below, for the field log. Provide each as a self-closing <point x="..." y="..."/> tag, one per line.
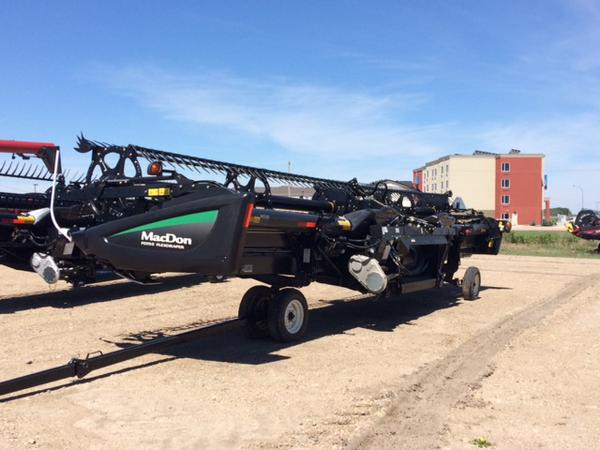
<point x="517" y="367"/>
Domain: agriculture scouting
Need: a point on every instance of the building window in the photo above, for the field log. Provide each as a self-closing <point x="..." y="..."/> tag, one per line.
<point x="446" y="184"/>
<point x="505" y="167"/>
<point x="505" y="183"/>
<point x="506" y="199"/>
<point x="442" y="170"/>
<point x="446" y="169"/>
<point x="505" y="216"/>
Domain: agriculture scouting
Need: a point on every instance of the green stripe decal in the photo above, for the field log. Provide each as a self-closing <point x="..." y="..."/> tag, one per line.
<point x="200" y="217"/>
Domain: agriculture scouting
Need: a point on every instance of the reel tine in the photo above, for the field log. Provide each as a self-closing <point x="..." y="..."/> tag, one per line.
<point x="32" y="172"/>
<point x="25" y="168"/>
<point x="37" y="172"/>
<point x="22" y="167"/>
<point x="213" y="167"/>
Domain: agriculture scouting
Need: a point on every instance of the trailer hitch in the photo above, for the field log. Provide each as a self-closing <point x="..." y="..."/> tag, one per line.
<point x="80" y="367"/>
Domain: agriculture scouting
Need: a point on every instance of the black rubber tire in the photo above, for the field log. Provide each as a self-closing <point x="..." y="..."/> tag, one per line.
<point x="254" y="309"/>
<point x="471" y="283"/>
<point x="288" y="315"/>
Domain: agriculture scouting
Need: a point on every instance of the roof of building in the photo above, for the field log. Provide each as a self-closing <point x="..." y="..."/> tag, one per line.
<point x="513" y="153"/>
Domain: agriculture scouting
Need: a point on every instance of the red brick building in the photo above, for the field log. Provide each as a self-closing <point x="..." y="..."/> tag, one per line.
<point x="520" y="188"/>
<point x="418" y="178"/>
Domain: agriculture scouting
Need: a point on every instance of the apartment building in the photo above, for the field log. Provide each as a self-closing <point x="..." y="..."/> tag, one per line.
<point x="508" y="186"/>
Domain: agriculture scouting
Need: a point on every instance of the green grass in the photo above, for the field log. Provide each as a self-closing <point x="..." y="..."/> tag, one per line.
<point x="548" y="243"/>
<point x="481" y="442"/>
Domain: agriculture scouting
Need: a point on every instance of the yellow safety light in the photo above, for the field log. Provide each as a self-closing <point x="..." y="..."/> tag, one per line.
<point x="24" y="220"/>
<point x="159" y="192"/>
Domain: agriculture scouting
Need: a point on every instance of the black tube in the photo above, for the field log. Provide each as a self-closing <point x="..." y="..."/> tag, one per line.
<point x="298" y="204"/>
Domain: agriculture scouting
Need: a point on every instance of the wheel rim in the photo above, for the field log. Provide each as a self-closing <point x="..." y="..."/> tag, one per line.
<point x="294" y="316"/>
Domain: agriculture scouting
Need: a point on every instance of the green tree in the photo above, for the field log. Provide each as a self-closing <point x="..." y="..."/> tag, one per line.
<point x="560" y="210"/>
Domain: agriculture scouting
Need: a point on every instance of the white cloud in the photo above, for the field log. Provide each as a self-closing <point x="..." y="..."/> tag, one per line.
<point x="298" y="117"/>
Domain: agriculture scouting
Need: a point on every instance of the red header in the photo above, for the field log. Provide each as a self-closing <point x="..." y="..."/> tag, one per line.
<point x="24" y="147"/>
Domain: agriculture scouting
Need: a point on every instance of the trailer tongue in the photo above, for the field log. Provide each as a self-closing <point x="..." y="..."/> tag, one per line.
<point x="79" y="368"/>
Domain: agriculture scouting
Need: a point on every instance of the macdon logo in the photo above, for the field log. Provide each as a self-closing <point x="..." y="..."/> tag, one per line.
<point x="168" y="240"/>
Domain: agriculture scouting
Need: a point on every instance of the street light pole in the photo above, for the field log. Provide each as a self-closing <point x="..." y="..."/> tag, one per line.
<point x="581" y="189"/>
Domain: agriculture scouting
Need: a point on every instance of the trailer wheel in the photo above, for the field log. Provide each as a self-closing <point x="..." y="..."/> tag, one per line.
<point x="253" y="308"/>
<point x="288" y="315"/>
<point x="471" y="283"/>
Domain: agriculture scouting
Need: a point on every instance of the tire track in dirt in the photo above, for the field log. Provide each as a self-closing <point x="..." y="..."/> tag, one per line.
<point x="417" y="415"/>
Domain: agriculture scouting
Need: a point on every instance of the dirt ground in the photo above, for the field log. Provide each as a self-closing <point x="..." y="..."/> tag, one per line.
<point x="518" y="367"/>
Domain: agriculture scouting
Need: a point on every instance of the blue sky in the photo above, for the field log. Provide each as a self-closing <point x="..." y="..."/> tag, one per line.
<point x="340" y="88"/>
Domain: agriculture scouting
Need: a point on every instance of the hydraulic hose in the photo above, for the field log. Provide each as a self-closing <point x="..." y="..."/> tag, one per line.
<point x="63" y="231"/>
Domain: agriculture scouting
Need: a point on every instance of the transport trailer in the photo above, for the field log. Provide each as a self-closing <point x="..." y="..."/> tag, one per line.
<point x="383" y="238"/>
